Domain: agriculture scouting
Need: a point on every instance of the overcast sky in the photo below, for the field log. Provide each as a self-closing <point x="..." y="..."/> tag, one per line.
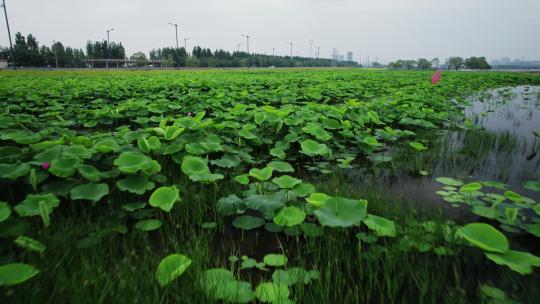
<point x="387" y="29"/>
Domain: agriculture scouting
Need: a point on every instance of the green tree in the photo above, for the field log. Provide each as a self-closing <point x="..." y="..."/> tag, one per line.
<point x="455" y="63"/>
<point x="140" y="59"/>
<point x="424" y="64"/>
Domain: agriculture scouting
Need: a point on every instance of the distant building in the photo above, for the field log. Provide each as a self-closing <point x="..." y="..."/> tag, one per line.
<point x="341" y="58"/>
<point x="495" y="62"/>
<point x="349" y="56"/>
<point x="3" y="64"/>
<point x="505" y="60"/>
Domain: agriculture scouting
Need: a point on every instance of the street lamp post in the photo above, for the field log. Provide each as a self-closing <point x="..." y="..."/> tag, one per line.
<point x="9" y="35"/>
<point x="185" y="43"/>
<point x="177" y="55"/>
<point x="108" y="46"/>
<point x="291" y="47"/>
<point x="247" y="42"/>
<point x="238" y="47"/>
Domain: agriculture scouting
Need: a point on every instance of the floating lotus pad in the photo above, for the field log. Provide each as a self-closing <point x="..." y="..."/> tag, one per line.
<point x="137" y="184"/>
<point x="342" y="212"/>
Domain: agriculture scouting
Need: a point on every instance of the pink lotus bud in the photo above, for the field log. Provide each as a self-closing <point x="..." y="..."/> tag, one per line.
<point x="45" y="165"/>
<point x="436" y="77"/>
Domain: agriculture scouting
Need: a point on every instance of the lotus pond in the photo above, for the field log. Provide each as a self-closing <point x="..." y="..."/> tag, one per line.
<point x="280" y="186"/>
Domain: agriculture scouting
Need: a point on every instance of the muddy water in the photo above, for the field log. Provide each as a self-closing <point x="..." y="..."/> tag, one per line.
<point x="504" y="150"/>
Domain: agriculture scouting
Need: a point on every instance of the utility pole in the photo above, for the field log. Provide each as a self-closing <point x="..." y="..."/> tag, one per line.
<point x="108" y="46"/>
<point x="273" y="51"/>
<point x="291" y="47"/>
<point x="177" y="53"/>
<point x="318" y="55"/>
<point x="247" y="42"/>
<point x="55" y="53"/>
<point x="9" y="35"/>
<point x="185" y="43"/>
<point x="311" y="48"/>
<point x="238" y="47"/>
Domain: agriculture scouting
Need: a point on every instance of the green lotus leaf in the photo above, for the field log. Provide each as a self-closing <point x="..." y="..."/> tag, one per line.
<point x="30" y="244"/>
<point x="91" y="191"/>
<point x="90" y="173"/>
<point x="278" y="153"/>
<point x="532" y="185"/>
<point x="447" y="181"/>
<point x="342" y="212"/>
<point x="130" y="207"/>
<point x="261" y="174"/>
<point x="242" y="179"/>
<point x="77" y="151"/>
<point x="318" y="199"/>
<point x="20" y="136"/>
<point x="371" y="141"/>
<point x="311" y="230"/>
<point x="286" y="181"/>
<point x="219" y="284"/>
<point x="171" y="267"/>
<point x="172" y="132"/>
<point x="519" y="261"/>
<point x="137" y="184"/>
<point x="290" y="216"/>
<point x="227" y="161"/>
<point x="248" y="222"/>
<point x="281" y="166"/>
<point x="206" y="177"/>
<point x="64" y="167"/>
<point x="470" y="187"/>
<point x="16" y="273"/>
<point x="247" y="134"/>
<point x="30" y="205"/>
<point x="132" y="162"/>
<point x="494" y="184"/>
<point x="312" y="148"/>
<point x="381" y="226"/>
<point x="164" y="198"/>
<point x="513" y="196"/>
<point x="106" y="146"/>
<point x="48" y="155"/>
<point x="5" y="211"/>
<point x="417" y="146"/>
<point x="304" y="189"/>
<point x="485" y="237"/>
<point x="148" y="225"/>
<point x="229" y="205"/>
<point x="194" y="165"/>
<point x="275" y="260"/>
<point x="272" y="292"/>
<point x="317" y="131"/>
<point x="292" y="276"/>
<point x="533" y="229"/>
<point x="14" y="171"/>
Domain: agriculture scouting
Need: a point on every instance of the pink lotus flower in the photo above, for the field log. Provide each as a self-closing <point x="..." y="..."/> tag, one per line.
<point x="436" y="77"/>
<point x="45" y="165"/>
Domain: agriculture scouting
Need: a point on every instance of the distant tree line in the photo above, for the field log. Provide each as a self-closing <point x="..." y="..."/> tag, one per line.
<point x="204" y="57"/>
<point x="452" y="63"/>
<point x="28" y="53"/>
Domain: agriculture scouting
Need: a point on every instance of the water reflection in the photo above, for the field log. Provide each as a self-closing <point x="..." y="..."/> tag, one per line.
<point x="505" y="150"/>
